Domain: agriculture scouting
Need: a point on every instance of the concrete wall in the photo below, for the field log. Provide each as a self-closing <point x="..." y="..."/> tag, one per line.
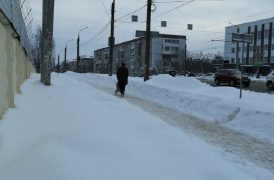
<point x="15" y="66"/>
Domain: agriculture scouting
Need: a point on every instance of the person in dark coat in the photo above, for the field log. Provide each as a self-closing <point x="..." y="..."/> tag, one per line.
<point x="122" y="77"/>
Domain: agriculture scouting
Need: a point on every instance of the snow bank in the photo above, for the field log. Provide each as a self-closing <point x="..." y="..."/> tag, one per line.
<point x="253" y="114"/>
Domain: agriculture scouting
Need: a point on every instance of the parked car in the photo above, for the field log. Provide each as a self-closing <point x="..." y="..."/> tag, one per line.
<point x="270" y="80"/>
<point x="232" y="77"/>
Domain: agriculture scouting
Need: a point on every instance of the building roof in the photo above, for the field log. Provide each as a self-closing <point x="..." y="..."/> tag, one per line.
<point x="257" y="21"/>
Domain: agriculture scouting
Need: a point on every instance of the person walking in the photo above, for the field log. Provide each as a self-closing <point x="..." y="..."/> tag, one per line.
<point x="122" y="77"/>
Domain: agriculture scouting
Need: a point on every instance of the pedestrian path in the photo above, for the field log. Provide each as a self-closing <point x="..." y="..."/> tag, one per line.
<point x="249" y="148"/>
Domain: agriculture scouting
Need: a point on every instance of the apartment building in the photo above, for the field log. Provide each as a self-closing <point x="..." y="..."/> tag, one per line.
<point x="167" y="52"/>
<point x="258" y="53"/>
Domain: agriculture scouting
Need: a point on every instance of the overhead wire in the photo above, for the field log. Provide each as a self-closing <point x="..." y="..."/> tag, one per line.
<point x="106" y="11"/>
<point x="126" y="5"/>
<point x="177" y="7"/>
<point x="122" y="17"/>
<point x="239" y="18"/>
<point x="179" y="1"/>
<point x="96" y="35"/>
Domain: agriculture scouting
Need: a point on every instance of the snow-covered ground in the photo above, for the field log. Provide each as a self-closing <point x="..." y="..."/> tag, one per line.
<point x="70" y="130"/>
<point x="253" y="114"/>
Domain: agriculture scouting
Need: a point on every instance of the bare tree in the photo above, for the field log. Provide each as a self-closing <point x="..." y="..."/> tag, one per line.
<point x="36" y="48"/>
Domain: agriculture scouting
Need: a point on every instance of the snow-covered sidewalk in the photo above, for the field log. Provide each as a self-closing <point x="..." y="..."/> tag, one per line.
<point x="252" y="115"/>
<point x="72" y="131"/>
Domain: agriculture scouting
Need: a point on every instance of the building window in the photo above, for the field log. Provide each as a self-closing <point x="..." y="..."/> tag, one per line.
<point x="166" y="48"/>
<point x="259" y="34"/>
<point x="266" y="33"/>
<point x="251" y="60"/>
<point x="232" y="50"/>
<point x="232" y="61"/>
<point x="175" y="41"/>
<point x="272" y="59"/>
<point x="166" y="56"/>
<point x="175" y="56"/>
<point x="250" y="48"/>
<point x="175" y="49"/>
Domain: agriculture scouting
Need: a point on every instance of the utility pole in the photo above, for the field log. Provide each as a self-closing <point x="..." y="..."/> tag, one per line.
<point x="46" y="41"/>
<point x="65" y="60"/>
<point x="148" y="34"/>
<point x="58" y="65"/>
<point x="185" y="59"/>
<point x="111" y="40"/>
<point x="78" y="52"/>
<point x="78" y="48"/>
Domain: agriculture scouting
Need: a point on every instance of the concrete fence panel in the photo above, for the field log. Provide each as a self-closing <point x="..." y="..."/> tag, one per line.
<point x="15" y="66"/>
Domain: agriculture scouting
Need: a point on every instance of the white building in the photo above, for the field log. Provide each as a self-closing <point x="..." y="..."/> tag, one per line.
<point x="167" y="52"/>
<point x="259" y="52"/>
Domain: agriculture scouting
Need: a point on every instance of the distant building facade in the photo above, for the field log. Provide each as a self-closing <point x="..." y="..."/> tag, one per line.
<point x="167" y="52"/>
<point x="85" y="65"/>
<point x="258" y="53"/>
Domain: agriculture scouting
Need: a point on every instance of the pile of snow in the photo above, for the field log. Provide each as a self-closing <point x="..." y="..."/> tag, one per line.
<point x="253" y="114"/>
<point x="70" y="131"/>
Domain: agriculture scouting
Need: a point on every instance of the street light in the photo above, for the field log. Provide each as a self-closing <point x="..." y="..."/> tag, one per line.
<point x="78" y="46"/>
<point x="65" y="60"/>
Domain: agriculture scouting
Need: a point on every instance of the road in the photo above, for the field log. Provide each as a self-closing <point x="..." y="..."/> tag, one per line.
<point x="257" y="86"/>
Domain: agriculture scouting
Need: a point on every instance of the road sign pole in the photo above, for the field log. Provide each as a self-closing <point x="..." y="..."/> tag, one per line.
<point x="244" y="38"/>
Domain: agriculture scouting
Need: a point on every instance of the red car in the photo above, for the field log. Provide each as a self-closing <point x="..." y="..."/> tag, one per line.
<point x="231" y="76"/>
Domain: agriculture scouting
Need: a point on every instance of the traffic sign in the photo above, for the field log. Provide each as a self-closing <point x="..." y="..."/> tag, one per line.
<point x="247" y="38"/>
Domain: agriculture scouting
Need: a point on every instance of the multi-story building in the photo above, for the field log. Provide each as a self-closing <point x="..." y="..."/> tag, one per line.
<point x="167" y="52"/>
<point x="258" y="53"/>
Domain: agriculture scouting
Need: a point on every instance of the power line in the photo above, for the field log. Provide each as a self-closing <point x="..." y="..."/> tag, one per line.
<point x="131" y="13"/>
<point x="177" y="7"/>
<point x="239" y="18"/>
<point x="127" y="4"/>
<point x="96" y="35"/>
<point x="159" y="2"/>
<point x="163" y="2"/>
<point x="106" y="11"/>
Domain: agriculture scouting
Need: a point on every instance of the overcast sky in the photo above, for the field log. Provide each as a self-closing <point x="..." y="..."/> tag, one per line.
<point x="209" y="19"/>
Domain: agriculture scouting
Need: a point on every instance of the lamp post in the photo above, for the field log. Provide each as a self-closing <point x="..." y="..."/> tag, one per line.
<point x="78" y="46"/>
<point x="65" y="58"/>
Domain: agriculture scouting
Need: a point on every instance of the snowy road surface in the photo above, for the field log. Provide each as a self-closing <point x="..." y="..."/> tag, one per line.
<point x="71" y="130"/>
